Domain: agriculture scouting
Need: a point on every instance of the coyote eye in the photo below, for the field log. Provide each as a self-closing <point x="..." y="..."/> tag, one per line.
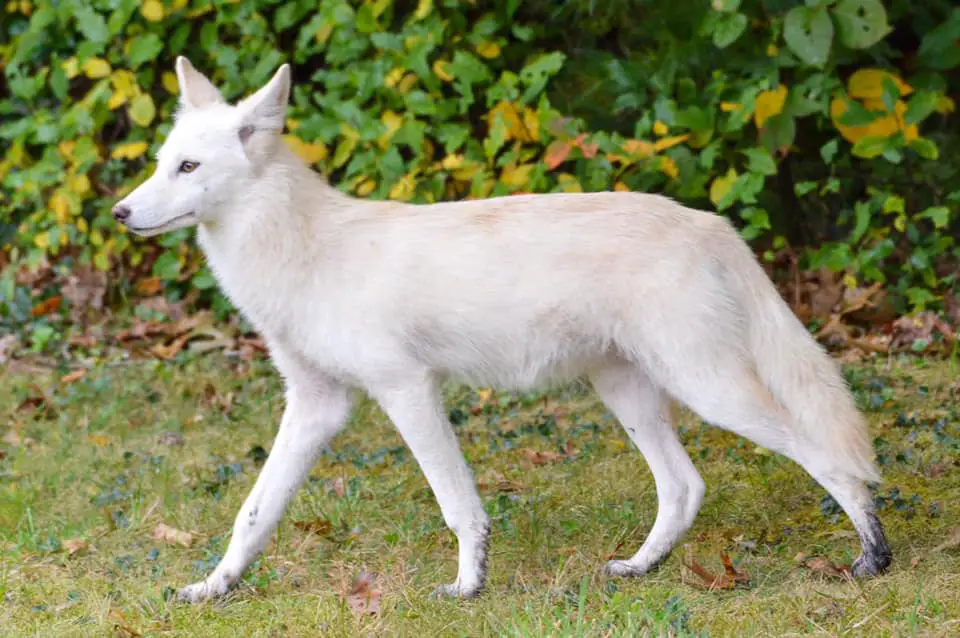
<point x="188" y="166"/>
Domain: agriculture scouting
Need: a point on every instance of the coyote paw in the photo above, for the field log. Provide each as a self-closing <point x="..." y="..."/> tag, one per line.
<point x="627" y="569"/>
<point x="203" y="591"/>
<point x="869" y="565"/>
<point x="455" y="591"/>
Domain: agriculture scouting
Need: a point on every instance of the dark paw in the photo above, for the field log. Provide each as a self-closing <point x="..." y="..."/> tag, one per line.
<point x="870" y="565"/>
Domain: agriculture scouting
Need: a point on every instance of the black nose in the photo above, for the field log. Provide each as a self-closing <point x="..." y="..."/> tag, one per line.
<point x="121" y="212"/>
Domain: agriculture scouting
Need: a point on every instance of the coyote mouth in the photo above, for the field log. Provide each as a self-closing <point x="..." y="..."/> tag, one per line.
<point x="160" y="227"/>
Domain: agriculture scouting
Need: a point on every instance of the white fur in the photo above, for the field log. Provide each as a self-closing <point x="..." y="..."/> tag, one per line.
<point x="652" y="301"/>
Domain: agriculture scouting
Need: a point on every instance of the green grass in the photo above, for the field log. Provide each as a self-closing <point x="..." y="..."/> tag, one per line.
<point x="101" y="468"/>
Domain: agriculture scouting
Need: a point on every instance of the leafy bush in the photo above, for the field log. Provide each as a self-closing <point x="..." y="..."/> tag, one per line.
<point x="818" y="125"/>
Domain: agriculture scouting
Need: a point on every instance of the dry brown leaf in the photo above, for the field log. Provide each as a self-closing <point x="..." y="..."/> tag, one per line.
<point x="823" y="565"/>
<point x="46" y="306"/>
<point x="730" y="578"/>
<point x="318" y="526"/>
<point x="952" y="542"/>
<point x="8" y="345"/>
<point x="908" y="329"/>
<point x="84" y="288"/>
<point x="170" y="439"/>
<point x="172" y="535"/>
<point x="493" y="481"/>
<point x="149" y="286"/>
<point x="337" y="486"/>
<point x="76" y="375"/>
<point x="171" y="350"/>
<point x="540" y="457"/>
<point x="98" y="439"/>
<point x="364" y="598"/>
<point x="121" y="625"/>
<point x="75" y="546"/>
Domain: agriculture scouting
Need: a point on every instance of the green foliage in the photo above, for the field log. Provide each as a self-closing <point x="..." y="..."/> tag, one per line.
<point x="816" y="124"/>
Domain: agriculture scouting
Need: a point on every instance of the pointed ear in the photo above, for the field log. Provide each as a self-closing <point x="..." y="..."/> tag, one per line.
<point x="267" y="108"/>
<point x="195" y="89"/>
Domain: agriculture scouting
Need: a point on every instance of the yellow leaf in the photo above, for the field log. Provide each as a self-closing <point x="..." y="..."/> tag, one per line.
<point x="141" y="110"/>
<point x="769" y="103"/>
<point x="669" y="168"/>
<point x="179" y="4"/>
<point x="620" y="187"/>
<point x="772" y="50"/>
<point x="883" y="126"/>
<point x="66" y="148"/>
<point x="660" y="129"/>
<point x="850" y="281"/>
<point x="71" y="67"/>
<point x="324" y="32"/>
<point x="96" y="237"/>
<point x="403" y="189"/>
<point x="129" y="150"/>
<point x="116" y="101"/>
<point x="393" y="77"/>
<point x="515" y="127"/>
<point x="366" y="187"/>
<point x="569" y="183"/>
<point x="393" y="121"/>
<point x="424" y="7"/>
<point x="82" y="225"/>
<point x="407" y="83"/>
<point x="169" y="81"/>
<point x="440" y="70"/>
<point x="945" y="105"/>
<point x="309" y="153"/>
<point x="531" y="121"/>
<point x="729" y="107"/>
<point x="488" y="49"/>
<point x="721" y="186"/>
<point x="516" y="176"/>
<point x="152" y="10"/>
<point x="96" y="68"/>
<point x="669" y="142"/>
<point x="868" y="83"/>
<point x="79" y="184"/>
<point x="42" y="240"/>
<point x="452" y="162"/>
<point x="60" y="205"/>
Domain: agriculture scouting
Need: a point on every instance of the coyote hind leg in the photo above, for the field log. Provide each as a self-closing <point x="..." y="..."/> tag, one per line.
<point x="644" y="411"/>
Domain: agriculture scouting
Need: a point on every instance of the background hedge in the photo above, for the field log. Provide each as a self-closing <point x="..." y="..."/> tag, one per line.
<point x="826" y="129"/>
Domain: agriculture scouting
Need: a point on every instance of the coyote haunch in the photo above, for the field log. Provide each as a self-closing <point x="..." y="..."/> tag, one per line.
<point x="652" y="301"/>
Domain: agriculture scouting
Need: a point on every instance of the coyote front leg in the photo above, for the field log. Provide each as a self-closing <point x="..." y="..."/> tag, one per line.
<point x="314" y="414"/>
<point x="416" y="410"/>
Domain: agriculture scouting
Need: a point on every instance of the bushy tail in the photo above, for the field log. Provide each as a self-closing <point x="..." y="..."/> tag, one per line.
<point x="800" y="374"/>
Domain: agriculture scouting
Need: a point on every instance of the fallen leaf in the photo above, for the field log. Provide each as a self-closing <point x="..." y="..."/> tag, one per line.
<point x="363" y="598"/>
<point x="149" y="286"/>
<point x="170" y="439"/>
<point x="8" y="345"/>
<point x="122" y="625"/>
<point x="75" y="546"/>
<point x="337" y="486"/>
<point x="84" y="288"/>
<point x="98" y="439"/>
<point x="731" y="577"/>
<point x="76" y="375"/>
<point x="823" y="565"/>
<point x="908" y="330"/>
<point x="952" y="542"/>
<point x="318" y="526"/>
<point x="493" y="481"/>
<point x="539" y="457"/>
<point x="172" y="535"/>
<point x="46" y="306"/>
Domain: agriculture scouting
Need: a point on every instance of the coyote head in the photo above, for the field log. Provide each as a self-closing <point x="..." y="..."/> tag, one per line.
<point x="213" y="156"/>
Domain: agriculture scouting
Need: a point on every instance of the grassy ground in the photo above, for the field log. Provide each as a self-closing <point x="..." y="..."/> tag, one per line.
<point x="88" y="470"/>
